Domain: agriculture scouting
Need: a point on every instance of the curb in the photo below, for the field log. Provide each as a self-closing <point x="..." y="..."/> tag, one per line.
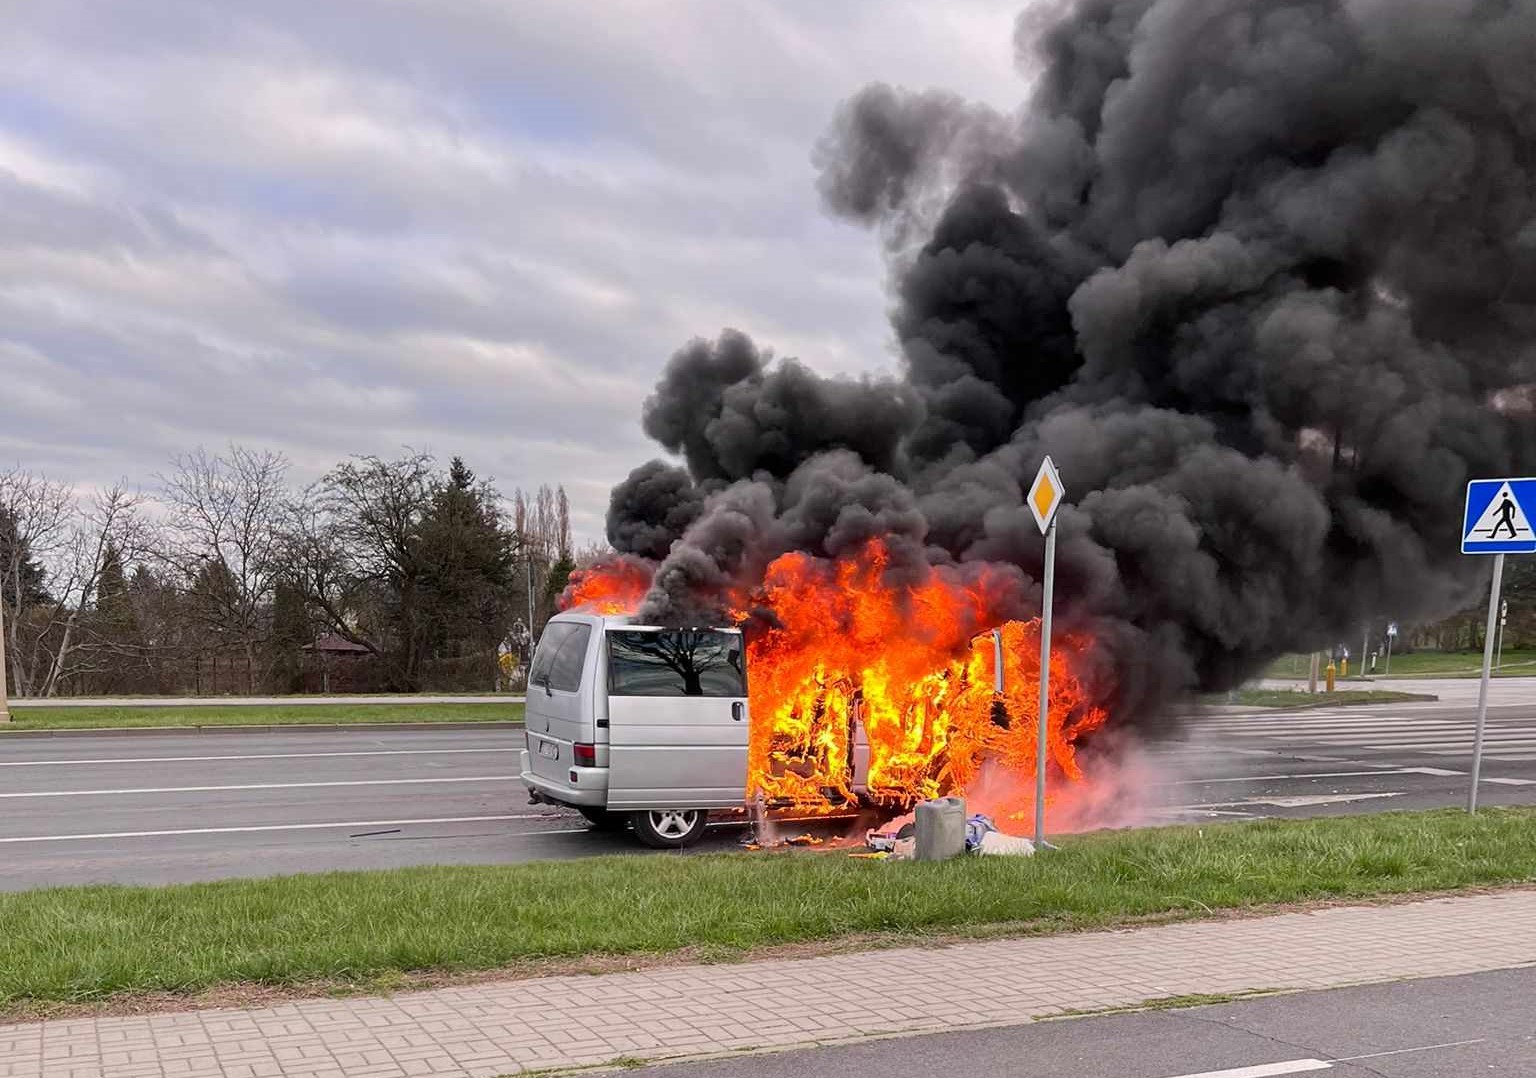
<point x="273" y="728"/>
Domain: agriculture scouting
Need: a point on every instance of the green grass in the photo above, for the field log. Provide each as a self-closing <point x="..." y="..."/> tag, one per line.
<point x="371" y="928"/>
<point x="1295" y="698"/>
<point x="89" y="718"/>
<point x="1417" y="664"/>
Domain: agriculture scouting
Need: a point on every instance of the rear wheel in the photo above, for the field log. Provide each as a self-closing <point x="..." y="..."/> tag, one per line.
<point x="603" y="820"/>
<point x="670" y="829"/>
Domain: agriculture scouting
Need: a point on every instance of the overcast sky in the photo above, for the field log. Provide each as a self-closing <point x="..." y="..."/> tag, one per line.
<point x="469" y="226"/>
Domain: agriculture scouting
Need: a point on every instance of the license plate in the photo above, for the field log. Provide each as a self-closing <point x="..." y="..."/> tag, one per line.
<point x="549" y="749"/>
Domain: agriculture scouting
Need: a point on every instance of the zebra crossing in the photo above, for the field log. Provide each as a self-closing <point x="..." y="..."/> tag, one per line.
<point x="1422" y="730"/>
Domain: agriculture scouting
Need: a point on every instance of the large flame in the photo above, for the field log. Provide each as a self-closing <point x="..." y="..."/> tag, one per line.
<point x="838" y="642"/>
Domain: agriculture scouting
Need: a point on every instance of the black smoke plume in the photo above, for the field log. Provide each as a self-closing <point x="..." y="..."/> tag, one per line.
<point x="1260" y="275"/>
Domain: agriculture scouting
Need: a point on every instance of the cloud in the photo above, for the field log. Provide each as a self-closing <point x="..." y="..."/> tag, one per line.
<point x="468" y="226"/>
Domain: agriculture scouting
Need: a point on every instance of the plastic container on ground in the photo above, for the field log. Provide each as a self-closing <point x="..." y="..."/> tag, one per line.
<point x="940" y="829"/>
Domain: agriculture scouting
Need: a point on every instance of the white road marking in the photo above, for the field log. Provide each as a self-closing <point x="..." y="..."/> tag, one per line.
<point x="295" y="827"/>
<point x="251" y="756"/>
<point x="259" y="786"/>
<point x="1305" y="801"/>
<point x="1513" y="782"/>
<point x="1265" y="1070"/>
<point x="1407" y="1051"/>
<point x="1436" y="771"/>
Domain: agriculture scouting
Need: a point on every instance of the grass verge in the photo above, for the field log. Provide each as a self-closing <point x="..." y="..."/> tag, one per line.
<point x="94" y="718"/>
<point x="1517" y="663"/>
<point x="1294" y="698"/>
<point x="371" y="929"/>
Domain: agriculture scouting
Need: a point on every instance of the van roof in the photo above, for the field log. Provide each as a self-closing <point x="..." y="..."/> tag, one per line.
<point x="621" y="621"/>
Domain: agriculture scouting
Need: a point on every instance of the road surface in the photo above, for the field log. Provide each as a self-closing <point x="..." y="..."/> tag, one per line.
<point x="1442" y="1028"/>
<point x="1327" y="761"/>
<point x="186" y="806"/>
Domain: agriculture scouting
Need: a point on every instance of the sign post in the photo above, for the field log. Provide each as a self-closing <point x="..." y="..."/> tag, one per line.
<point x="1391" y="636"/>
<point x="1498" y="659"/>
<point x="1045" y="497"/>
<point x="1497" y="521"/>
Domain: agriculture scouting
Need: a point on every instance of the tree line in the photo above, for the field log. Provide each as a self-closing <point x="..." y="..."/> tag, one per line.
<point x="384" y="575"/>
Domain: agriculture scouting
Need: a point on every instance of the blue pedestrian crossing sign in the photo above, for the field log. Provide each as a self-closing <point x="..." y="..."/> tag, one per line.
<point x="1498" y="517"/>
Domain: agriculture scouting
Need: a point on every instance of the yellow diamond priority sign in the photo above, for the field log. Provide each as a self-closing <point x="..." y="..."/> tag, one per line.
<point x="1045" y="494"/>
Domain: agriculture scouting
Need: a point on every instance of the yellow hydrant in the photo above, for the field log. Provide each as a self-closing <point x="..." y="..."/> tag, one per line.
<point x="1332" y="670"/>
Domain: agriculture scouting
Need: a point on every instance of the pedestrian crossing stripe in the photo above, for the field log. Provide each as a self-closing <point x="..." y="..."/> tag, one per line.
<point x="1498" y="517"/>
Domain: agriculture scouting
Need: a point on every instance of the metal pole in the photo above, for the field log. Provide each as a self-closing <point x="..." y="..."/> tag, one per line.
<point x="1312" y="671"/>
<point x="531" y="639"/>
<point x="997" y="661"/>
<point x="1044" y="713"/>
<point x="1390" y="637"/>
<point x="5" y="711"/>
<point x="1498" y="662"/>
<point x="1482" y="689"/>
<point x="1365" y="649"/>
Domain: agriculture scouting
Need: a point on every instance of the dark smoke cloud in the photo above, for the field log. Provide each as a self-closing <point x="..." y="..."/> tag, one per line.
<point x="1260" y="275"/>
<point x="651" y="510"/>
<point x="732" y="416"/>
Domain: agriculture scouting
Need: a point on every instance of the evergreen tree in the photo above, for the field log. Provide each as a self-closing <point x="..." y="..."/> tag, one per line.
<point x="114" y="605"/>
<point x="18" y="569"/>
<point x="467" y="561"/>
<point x="291" y="632"/>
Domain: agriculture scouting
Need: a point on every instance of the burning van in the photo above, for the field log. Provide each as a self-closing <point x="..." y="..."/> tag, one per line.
<point x="634" y="724"/>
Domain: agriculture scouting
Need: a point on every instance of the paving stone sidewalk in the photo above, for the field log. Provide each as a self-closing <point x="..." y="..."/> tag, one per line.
<point x="507" y="1027"/>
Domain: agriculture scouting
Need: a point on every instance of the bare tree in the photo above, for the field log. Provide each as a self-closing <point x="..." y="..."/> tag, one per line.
<point x="74" y="542"/>
<point x="223" y="525"/>
<point x="562" y="525"/>
<point x="37" y="513"/>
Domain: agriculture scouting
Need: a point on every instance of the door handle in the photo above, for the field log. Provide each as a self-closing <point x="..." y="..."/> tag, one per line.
<point x="738" y="710"/>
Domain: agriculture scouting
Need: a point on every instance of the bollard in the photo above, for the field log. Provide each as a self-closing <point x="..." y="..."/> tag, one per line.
<point x="1344" y="669"/>
<point x="1332" y="670"/>
<point x="940" y="829"/>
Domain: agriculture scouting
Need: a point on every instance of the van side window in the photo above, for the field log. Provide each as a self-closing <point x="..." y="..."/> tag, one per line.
<point x="565" y="670"/>
<point x="675" y="662"/>
<point x="549" y="642"/>
<point x="560" y="656"/>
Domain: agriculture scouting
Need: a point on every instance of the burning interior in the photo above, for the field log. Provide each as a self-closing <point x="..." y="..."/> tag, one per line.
<point x="843" y="663"/>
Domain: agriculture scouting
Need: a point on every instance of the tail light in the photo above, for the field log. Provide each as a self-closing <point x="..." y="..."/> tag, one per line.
<point x="586" y="755"/>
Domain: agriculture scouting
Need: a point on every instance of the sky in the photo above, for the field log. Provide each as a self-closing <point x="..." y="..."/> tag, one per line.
<point x="473" y="227"/>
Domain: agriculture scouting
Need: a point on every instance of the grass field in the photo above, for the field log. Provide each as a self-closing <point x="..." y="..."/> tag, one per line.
<point x="1419" y="664"/>
<point x="364" y="929"/>
<point x="1295" y="698"/>
<point x="81" y="718"/>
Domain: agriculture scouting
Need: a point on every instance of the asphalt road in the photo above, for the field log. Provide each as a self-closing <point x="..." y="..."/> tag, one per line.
<point x="1236" y="763"/>
<point x="173" y="807"/>
<point x="1443" y="1028"/>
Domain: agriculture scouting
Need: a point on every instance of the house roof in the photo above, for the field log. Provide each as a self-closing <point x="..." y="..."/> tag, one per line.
<point x="336" y="644"/>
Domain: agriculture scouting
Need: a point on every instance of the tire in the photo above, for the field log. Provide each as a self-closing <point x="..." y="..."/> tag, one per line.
<point x="603" y="820"/>
<point x="670" y="829"/>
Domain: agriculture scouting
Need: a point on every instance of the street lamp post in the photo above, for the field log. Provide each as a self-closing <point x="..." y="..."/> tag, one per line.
<point x="5" y="711"/>
<point x="532" y="639"/>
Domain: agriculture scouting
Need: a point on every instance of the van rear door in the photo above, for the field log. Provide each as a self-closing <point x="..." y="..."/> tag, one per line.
<point x="678" y="720"/>
<point x="557" y="711"/>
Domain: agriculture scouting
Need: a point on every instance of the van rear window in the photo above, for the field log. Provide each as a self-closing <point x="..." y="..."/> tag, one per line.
<point x="675" y="662"/>
<point x="560" y="656"/>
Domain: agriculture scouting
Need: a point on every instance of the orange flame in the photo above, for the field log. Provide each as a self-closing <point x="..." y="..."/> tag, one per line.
<point x="911" y="661"/>
<point x="615" y="587"/>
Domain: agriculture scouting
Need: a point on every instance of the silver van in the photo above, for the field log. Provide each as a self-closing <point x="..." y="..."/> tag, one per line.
<point x="634" y="724"/>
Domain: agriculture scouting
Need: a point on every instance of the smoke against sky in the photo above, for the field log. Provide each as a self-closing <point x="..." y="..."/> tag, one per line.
<point x="1260" y="276"/>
